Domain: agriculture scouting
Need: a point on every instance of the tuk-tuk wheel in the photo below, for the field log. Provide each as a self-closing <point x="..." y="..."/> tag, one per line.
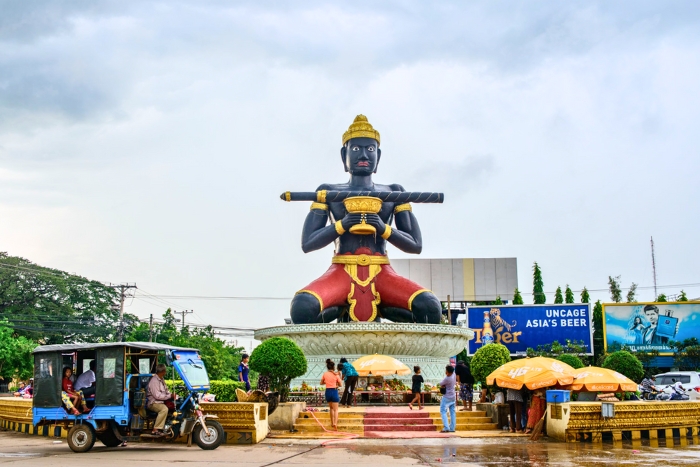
<point x="211" y="441"/>
<point x="81" y="437"/>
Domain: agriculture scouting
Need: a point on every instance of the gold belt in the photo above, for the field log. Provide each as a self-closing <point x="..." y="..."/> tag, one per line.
<point x="361" y="260"/>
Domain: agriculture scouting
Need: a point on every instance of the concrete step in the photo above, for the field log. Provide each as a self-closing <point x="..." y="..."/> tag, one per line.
<point x="474" y="426"/>
<point x="430" y="428"/>
<point x="345" y="421"/>
<point x="409" y="414"/>
<point x="399" y="421"/>
<point x="317" y="429"/>
<point x="477" y="414"/>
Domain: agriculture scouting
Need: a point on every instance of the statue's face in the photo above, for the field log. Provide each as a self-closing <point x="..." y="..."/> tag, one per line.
<point x="361" y="156"/>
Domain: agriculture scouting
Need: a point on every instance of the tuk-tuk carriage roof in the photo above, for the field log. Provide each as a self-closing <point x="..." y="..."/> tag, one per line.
<point x="102" y="345"/>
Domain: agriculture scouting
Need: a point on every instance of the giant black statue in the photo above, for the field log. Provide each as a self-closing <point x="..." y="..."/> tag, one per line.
<point x="361" y="285"/>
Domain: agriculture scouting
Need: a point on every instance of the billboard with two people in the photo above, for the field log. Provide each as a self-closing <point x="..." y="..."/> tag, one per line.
<point x="650" y="326"/>
<point x="521" y="326"/>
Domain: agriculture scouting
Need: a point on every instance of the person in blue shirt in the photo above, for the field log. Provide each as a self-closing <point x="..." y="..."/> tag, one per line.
<point x="350" y="379"/>
<point x="243" y="371"/>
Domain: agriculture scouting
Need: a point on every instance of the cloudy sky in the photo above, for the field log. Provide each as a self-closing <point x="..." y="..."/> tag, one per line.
<point x="148" y="142"/>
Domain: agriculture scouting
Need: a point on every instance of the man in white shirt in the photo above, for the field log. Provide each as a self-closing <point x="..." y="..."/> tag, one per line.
<point x="86" y="381"/>
<point x="156" y="395"/>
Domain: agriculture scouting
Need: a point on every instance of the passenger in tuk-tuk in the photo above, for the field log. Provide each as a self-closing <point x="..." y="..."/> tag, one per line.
<point x="86" y="381"/>
<point x="70" y="397"/>
<point x="157" y="395"/>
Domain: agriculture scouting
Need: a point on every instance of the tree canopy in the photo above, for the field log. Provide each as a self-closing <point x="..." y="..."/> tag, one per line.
<point x="539" y="297"/>
<point x="569" y="295"/>
<point x="517" y="298"/>
<point x="558" y="297"/>
<point x="54" y="307"/>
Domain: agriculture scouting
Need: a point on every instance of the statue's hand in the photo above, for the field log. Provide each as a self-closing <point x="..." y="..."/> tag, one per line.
<point x="350" y="220"/>
<point x="375" y="221"/>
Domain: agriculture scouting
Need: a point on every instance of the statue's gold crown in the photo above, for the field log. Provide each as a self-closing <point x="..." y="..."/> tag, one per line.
<point x="360" y="128"/>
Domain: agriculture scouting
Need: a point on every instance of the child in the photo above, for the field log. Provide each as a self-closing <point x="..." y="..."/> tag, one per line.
<point x="416" y="388"/>
<point x="243" y="371"/>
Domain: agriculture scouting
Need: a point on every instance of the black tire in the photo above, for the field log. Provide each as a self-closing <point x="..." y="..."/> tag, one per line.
<point x="108" y="438"/>
<point x="215" y="438"/>
<point x="81" y="438"/>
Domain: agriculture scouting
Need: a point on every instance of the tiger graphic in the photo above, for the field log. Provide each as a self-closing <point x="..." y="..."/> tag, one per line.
<point x="497" y="321"/>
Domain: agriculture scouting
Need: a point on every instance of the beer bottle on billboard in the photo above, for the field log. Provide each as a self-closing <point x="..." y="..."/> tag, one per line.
<point x="487" y="332"/>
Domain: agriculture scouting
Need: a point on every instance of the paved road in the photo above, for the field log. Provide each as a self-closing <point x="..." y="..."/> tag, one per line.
<point x="22" y="450"/>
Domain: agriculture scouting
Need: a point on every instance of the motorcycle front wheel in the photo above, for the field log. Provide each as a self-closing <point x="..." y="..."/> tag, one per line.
<point x="212" y="440"/>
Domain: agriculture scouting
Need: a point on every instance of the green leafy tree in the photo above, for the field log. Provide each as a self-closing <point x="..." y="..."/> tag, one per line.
<point x="569" y="294"/>
<point x="498" y="301"/>
<point x="15" y="354"/>
<point x="598" y="346"/>
<point x="661" y="298"/>
<point x="53" y="306"/>
<point x="626" y="363"/>
<point x="282" y="360"/>
<point x="682" y="297"/>
<point x="585" y="296"/>
<point x="517" y="298"/>
<point x="572" y="360"/>
<point x="615" y="290"/>
<point x="487" y="359"/>
<point x="632" y="293"/>
<point x="538" y="285"/>
<point x="555" y="350"/>
<point x="558" y="298"/>
<point x="687" y="356"/>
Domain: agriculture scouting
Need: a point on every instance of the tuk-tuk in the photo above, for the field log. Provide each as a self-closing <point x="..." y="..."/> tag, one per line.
<point x="117" y="411"/>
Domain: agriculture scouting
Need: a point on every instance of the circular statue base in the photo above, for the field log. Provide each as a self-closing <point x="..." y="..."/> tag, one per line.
<point x="429" y="346"/>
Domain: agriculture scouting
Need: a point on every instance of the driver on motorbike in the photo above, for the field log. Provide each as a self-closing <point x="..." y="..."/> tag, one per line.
<point x="156" y="395"/>
<point x="648" y="384"/>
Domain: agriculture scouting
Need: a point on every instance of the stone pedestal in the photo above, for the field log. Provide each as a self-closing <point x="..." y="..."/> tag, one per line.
<point x="285" y="415"/>
<point x="499" y="413"/>
<point x="429" y="346"/>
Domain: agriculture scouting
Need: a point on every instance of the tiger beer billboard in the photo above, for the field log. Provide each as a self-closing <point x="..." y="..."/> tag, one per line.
<point x="521" y="326"/>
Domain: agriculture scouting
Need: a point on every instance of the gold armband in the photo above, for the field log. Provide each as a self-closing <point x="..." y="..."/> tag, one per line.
<point x="321" y="196"/>
<point x="403" y="207"/>
<point x="387" y="232"/>
<point x="322" y="206"/>
<point x="339" y="227"/>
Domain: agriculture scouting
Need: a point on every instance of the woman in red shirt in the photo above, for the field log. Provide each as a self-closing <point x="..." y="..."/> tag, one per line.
<point x="72" y="398"/>
<point x="331" y="379"/>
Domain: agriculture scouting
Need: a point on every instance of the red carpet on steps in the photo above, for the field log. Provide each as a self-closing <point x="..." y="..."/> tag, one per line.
<point x="384" y="422"/>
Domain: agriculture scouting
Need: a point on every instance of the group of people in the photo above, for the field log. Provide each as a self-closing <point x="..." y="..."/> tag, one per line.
<point x="524" y="415"/>
<point x="25" y="390"/>
<point x="346" y="375"/>
<point x="75" y="390"/>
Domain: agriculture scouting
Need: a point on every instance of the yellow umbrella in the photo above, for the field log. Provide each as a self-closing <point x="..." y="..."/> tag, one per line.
<point x="593" y="378"/>
<point x="535" y="373"/>
<point x="380" y="365"/>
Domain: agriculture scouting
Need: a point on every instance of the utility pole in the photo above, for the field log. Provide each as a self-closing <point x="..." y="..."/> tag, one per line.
<point x="653" y="267"/>
<point x="150" y="329"/>
<point x="185" y="312"/>
<point x="122" y="298"/>
<point x="449" y="311"/>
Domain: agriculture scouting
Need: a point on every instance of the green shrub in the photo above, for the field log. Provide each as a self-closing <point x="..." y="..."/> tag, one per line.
<point x="225" y="391"/>
<point x="282" y="360"/>
<point x="487" y="359"/>
<point x="572" y="360"/>
<point x="625" y="363"/>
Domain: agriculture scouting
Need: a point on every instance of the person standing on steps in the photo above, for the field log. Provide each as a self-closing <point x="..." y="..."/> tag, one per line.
<point x="416" y="387"/>
<point x="331" y="379"/>
<point x="449" y="399"/>
<point x="515" y="401"/>
<point x="350" y="377"/>
<point x="466" y="382"/>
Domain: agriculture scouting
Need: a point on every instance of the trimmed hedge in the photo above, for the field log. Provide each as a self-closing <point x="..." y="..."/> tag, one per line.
<point x="487" y="359"/>
<point x="572" y="360"/>
<point x="624" y="362"/>
<point x="225" y="391"/>
<point x="281" y="359"/>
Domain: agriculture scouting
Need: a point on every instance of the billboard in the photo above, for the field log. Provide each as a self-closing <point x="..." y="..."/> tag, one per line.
<point x="650" y="326"/>
<point x="521" y="326"/>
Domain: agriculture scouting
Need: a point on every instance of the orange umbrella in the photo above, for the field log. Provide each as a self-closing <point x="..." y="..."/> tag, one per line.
<point x="380" y="365"/>
<point x="535" y="373"/>
<point x="593" y="378"/>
